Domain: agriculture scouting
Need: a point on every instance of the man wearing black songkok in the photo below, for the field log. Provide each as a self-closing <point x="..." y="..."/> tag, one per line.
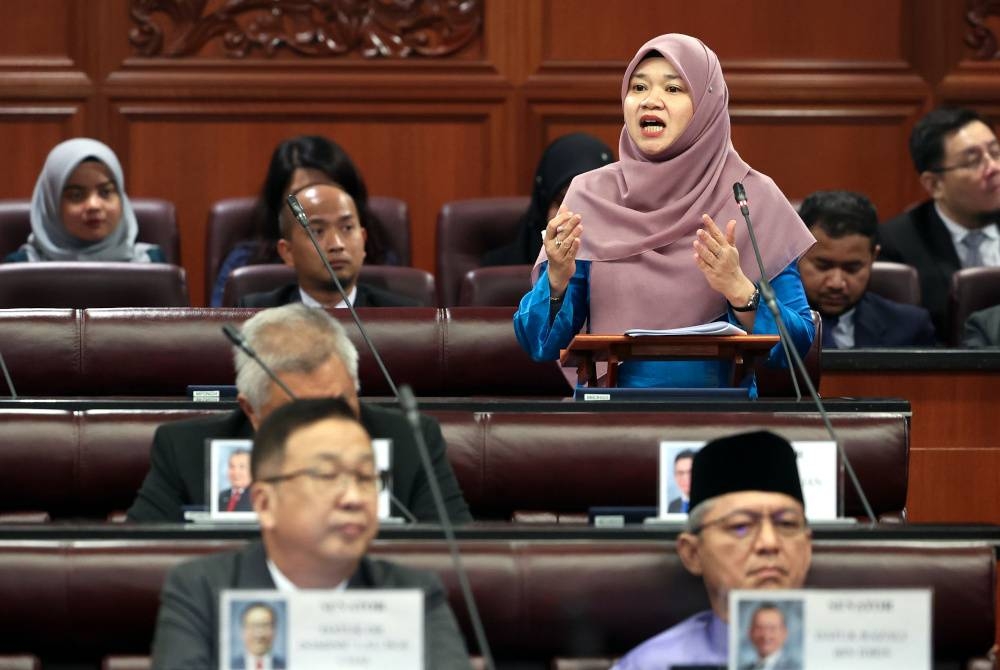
<point x="746" y="530"/>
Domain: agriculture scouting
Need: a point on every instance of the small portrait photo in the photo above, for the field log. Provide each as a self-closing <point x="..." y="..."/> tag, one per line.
<point x="258" y="634"/>
<point x="230" y="478"/>
<point x="770" y="634"/>
<point x="676" y="462"/>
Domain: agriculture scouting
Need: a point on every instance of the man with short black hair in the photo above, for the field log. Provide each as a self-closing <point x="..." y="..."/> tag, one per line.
<point x="315" y="492"/>
<point x="768" y="633"/>
<point x="257" y="628"/>
<point x="746" y="530"/>
<point x="957" y="155"/>
<point x="236" y="498"/>
<point x="836" y="271"/>
<point x="682" y="477"/>
<point x="333" y="216"/>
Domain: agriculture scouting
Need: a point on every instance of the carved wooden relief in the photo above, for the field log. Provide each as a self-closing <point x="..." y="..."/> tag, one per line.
<point x="981" y="38"/>
<point x="319" y="28"/>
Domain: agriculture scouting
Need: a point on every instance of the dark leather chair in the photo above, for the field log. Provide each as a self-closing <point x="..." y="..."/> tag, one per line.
<point x="498" y="286"/>
<point x="86" y="284"/>
<point x="972" y="289"/>
<point x="405" y="281"/>
<point x="230" y="221"/>
<point x="467" y="229"/>
<point x="157" y="225"/>
<point x="895" y="281"/>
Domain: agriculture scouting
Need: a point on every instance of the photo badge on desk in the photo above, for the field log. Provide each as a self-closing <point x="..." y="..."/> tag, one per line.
<point x="821" y="629"/>
<point x="819" y="472"/>
<point x="229" y="478"/>
<point x="322" y="628"/>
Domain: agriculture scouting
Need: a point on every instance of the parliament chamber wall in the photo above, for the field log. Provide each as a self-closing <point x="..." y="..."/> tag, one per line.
<point x="823" y="95"/>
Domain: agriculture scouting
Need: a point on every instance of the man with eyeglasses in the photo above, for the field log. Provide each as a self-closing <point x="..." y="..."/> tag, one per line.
<point x="315" y="491"/>
<point x="746" y="530"/>
<point x="310" y="351"/>
<point x="957" y="155"/>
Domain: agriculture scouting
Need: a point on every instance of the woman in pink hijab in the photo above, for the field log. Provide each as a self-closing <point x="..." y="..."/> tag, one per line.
<point x="635" y="244"/>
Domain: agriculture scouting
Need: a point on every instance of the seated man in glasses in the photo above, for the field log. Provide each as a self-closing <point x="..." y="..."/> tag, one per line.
<point x="315" y="490"/>
<point x="957" y="155"/>
<point x="746" y="530"/>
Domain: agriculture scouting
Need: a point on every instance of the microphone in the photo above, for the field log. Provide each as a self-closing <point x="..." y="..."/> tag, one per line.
<point x="409" y="404"/>
<point x="236" y="337"/>
<point x="303" y="220"/>
<point x="6" y="375"/>
<point x="791" y="353"/>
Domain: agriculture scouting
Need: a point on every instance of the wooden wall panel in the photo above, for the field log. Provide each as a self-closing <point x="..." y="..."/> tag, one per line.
<point x="787" y="31"/>
<point x="207" y="152"/>
<point x="823" y="95"/>
<point x="954" y="485"/>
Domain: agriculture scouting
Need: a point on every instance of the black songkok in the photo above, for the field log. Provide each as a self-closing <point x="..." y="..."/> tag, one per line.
<point x="758" y="461"/>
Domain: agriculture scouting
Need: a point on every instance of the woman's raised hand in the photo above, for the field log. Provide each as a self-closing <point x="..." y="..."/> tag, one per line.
<point x="719" y="260"/>
<point x="562" y="242"/>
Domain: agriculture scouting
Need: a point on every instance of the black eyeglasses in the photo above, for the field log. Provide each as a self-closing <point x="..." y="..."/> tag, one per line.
<point x="335" y="481"/>
<point x="975" y="162"/>
<point x="743" y="525"/>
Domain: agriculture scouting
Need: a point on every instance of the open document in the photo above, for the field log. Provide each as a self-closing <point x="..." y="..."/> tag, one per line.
<point x="713" y="328"/>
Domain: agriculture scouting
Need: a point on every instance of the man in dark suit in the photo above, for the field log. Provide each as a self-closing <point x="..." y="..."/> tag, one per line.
<point x="257" y="626"/>
<point x="236" y="498"/>
<point x="314" y="357"/>
<point x="315" y="492"/>
<point x="682" y="477"/>
<point x="768" y="633"/>
<point x="333" y="217"/>
<point x="835" y="273"/>
<point x="957" y="156"/>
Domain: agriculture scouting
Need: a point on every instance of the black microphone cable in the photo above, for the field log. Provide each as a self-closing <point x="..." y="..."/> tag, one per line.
<point x="741" y="198"/>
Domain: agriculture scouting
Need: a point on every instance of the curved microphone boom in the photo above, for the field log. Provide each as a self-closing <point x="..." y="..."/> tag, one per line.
<point x="408" y="403"/>
<point x="767" y="294"/>
<point x="236" y="337"/>
<point x="303" y="220"/>
<point x="6" y="375"/>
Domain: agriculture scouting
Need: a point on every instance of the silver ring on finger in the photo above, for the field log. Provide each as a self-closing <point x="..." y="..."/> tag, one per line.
<point x="558" y="243"/>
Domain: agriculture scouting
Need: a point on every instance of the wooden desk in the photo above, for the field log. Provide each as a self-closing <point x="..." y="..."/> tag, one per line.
<point x="585" y="351"/>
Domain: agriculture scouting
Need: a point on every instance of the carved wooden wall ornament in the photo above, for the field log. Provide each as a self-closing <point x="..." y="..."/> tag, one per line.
<point x="319" y="28"/>
<point x="981" y="38"/>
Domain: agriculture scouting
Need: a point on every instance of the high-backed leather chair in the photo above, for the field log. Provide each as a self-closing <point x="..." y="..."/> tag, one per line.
<point x="972" y="289"/>
<point x="498" y="286"/>
<point x="85" y="284"/>
<point x="895" y="281"/>
<point x="467" y="229"/>
<point x="410" y="282"/>
<point x="157" y="225"/>
<point x="231" y="221"/>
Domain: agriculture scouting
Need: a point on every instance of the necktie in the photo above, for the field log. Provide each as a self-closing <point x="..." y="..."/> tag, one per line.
<point x="260" y="664"/>
<point x="829" y="323"/>
<point x="973" y="242"/>
<point x="234" y="500"/>
<point x="684" y="505"/>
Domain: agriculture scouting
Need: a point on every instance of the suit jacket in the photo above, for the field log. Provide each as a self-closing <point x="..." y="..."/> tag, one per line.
<point x="176" y="474"/>
<point x="367" y="296"/>
<point x="919" y="238"/>
<point x="982" y="328"/>
<point x="676" y="506"/>
<point x="244" y="504"/>
<point x="239" y="663"/>
<point x="879" y="322"/>
<point x="187" y="624"/>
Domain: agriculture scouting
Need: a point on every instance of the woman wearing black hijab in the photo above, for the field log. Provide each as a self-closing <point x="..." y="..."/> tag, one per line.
<point x="564" y="159"/>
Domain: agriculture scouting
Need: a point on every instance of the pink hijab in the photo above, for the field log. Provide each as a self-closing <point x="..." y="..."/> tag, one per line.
<point x="640" y="215"/>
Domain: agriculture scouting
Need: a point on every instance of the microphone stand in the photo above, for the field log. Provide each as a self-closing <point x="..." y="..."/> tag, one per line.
<point x="767" y="293"/>
<point x="408" y="403"/>
<point x="6" y="375"/>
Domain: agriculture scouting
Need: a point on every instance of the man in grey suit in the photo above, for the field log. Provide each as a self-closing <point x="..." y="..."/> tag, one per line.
<point x="315" y="492"/>
<point x="982" y="328"/>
